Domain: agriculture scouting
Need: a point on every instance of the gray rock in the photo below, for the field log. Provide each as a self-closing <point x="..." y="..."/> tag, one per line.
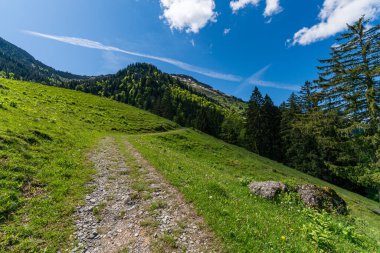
<point x="267" y="189"/>
<point x="322" y="198"/>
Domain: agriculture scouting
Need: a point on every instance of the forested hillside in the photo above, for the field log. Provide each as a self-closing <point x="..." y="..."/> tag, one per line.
<point x="144" y="86"/>
<point x="231" y="103"/>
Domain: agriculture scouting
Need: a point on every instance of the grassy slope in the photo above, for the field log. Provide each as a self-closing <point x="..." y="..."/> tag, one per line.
<point x="213" y="175"/>
<point x="44" y="135"/>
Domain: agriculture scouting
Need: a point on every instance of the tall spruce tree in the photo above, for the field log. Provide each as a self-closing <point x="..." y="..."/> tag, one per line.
<point x="253" y="120"/>
<point x="308" y="99"/>
<point x="349" y="119"/>
<point x="298" y="135"/>
<point x="350" y="79"/>
<point x="263" y="126"/>
<point x="270" y="119"/>
<point x="290" y="111"/>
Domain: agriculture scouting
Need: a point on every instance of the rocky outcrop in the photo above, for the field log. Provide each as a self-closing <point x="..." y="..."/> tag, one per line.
<point x="322" y="198"/>
<point x="267" y="189"/>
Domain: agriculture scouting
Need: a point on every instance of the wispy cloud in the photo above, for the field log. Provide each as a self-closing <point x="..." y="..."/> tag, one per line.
<point x="256" y="76"/>
<point x="97" y="45"/>
<point x="276" y="85"/>
<point x="256" y="79"/>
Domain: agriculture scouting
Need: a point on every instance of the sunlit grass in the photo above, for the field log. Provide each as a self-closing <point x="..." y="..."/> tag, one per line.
<point x="45" y="134"/>
<point x="214" y="175"/>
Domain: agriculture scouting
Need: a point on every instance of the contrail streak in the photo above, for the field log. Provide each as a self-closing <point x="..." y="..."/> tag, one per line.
<point x="97" y="45"/>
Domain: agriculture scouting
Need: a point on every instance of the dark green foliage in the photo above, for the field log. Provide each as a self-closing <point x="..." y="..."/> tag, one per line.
<point x="348" y="89"/>
<point x="332" y="128"/>
<point x="349" y="80"/>
<point x="300" y="149"/>
<point x="253" y="120"/>
<point x="263" y="126"/>
<point x="233" y="129"/>
<point x="270" y="119"/>
<point x="230" y="103"/>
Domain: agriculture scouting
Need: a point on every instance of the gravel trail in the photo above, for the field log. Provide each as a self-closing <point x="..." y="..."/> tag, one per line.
<point x="132" y="208"/>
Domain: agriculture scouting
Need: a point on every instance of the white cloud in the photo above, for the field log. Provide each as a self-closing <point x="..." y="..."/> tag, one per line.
<point x="272" y="6"/>
<point x="226" y="31"/>
<point x="97" y="45"/>
<point x="192" y="42"/>
<point x="240" y="4"/>
<point x="334" y="17"/>
<point x="188" y="15"/>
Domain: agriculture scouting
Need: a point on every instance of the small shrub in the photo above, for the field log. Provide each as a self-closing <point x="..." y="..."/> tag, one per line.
<point x="318" y="230"/>
<point x="322" y="229"/>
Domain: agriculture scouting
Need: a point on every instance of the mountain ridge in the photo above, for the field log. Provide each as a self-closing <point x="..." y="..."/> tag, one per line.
<point x="24" y="66"/>
<point x="15" y="60"/>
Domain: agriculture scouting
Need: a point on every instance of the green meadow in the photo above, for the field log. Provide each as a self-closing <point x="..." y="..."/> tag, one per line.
<point x="214" y="176"/>
<point x="45" y="133"/>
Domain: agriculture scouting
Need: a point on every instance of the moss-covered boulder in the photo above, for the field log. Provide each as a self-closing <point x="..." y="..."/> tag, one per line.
<point x="322" y="198"/>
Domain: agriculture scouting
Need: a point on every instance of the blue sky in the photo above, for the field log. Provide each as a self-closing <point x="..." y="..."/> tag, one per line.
<point x="274" y="44"/>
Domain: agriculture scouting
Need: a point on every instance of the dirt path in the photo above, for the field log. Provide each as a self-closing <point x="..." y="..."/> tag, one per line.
<point x="133" y="209"/>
